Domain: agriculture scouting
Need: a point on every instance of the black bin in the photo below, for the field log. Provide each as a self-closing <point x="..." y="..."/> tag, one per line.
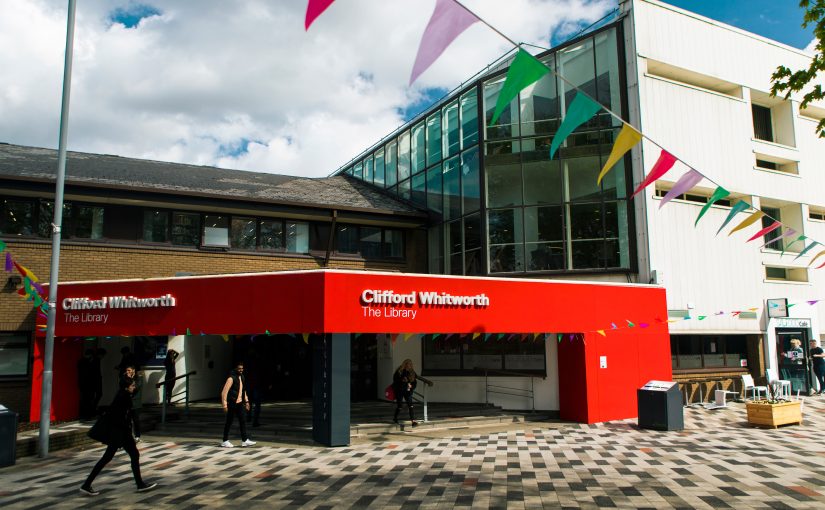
<point x="660" y="406"/>
<point x="8" y="437"/>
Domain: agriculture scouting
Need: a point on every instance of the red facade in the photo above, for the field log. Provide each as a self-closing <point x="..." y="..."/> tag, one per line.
<point x="365" y="302"/>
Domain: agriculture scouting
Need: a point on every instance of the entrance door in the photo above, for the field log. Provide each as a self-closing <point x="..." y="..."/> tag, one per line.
<point x="792" y="351"/>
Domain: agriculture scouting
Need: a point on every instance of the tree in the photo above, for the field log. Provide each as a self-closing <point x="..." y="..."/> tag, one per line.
<point x="786" y="81"/>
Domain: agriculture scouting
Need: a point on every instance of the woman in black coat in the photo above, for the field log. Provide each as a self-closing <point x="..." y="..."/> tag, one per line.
<point x="404" y="381"/>
<point x="114" y="429"/>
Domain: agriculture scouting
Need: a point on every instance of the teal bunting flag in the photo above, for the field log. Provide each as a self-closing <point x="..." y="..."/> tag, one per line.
<point x="800" y="238"/>
<point x="524" y="71"/>
<point x="736" y="209"/>
<point x="718" y="195"/>
<point x="2" y="246"/>
<point x="803" y="252"/>
<point x="580" y="110"/>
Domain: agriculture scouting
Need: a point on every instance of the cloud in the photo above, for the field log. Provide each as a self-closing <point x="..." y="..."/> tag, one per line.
<point x="240" y="84"/>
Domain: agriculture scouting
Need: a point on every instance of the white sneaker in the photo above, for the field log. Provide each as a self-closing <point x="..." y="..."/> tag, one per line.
<point x="227" y="444"/>
<point x="248" y="442"/>
<point x="137" y="439"/>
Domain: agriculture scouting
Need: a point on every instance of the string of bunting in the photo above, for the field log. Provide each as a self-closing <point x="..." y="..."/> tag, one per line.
<point x="31" y="289"/>
<point x="451" y="18"/>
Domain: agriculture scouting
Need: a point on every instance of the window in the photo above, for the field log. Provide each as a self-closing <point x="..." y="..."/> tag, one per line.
<point x="469" y="119"/>
<point x="368" y="170"/>
<point x="297" y="237"/>
<point x="379" y="168"/>
<point x="156" y="226"/>
<point x="369" y="242"/>
<point x="17" y="217"/>
<point x="243" y="233"/>
<point x="216" y="230"/>
<point x="186" y="229"/>
<point x="272" y="235"/>
<point x="771" y="215"/>
<point x="688" y="352"/>
<point x="790" y="274"/>
<point x="816" y="214"/>
<point x="433" y="138"/>
<point x="14" y="356"/>
<point x="692" y="197"/>
<point x="762" y="125"/>
<point x="418" y="149"/>
<point x="459" y="354"/>
<point x="450" y="130"/>
<point x="767" y="165"/>
<point x="87" y="222"/>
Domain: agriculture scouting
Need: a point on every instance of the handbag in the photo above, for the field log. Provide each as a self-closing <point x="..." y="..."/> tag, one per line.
<point x="100" y="430"/>
<point x="389" y="393"/>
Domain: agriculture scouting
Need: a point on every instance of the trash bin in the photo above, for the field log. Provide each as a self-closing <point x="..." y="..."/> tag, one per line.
<point x="8" y="437"/>
<point x="660" y="406"/>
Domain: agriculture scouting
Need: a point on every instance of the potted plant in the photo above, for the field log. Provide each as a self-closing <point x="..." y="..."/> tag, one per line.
<point x="774" y="411"/>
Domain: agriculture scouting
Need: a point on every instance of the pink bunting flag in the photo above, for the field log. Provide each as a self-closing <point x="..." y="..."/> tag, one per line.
<point x="314" y="9"/>
<point x="813" y="302"/>
<point x="770" y="228"/>
<point x="663" y="164"/>
<point x="685" y="183"/>
<point x="787" y="233"/>
<point x="448" y="21"/>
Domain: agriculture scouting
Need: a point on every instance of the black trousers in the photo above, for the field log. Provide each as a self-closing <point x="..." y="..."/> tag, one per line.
<point x="234" y="409"/>
<point x="820" y="376"/>
<point x="134" y="456"/>
<point x="400" y="397"/>
<point x="136" y="421"/>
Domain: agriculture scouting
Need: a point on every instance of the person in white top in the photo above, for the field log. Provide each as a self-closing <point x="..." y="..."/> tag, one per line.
<point x="235" y="400"/>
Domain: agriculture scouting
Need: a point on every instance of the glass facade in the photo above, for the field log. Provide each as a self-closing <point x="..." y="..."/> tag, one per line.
<point x="504" y="206"/>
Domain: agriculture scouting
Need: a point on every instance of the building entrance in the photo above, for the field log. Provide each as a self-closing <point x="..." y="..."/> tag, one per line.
<point x="792" y="351"/>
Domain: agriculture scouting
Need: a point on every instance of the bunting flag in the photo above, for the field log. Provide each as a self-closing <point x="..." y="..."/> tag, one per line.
<point x="601" y="332"/>
<point x="524" y="71"/>
<point x="9" y="263"/>
<point x="476" y="335"/>
<point x="225" y="338"/>
<point x="270" y="334"/>
<point x="800" y="238"/>
<point x="558" y="337"/>
<point x="305" y="336"/>
<point x="448" y="21"/>
<point x="736" y="209"/>
<point x="174" y="332"/>
<point x="628" y="137"/>
<point x="750" y="220"/>
<point x="613" y="325"/>
<point x="702" y="317"/>
<point x="24" y="272"/>
<point x="581" y="109"/>
<point x="393" y="338"/>
<point x="188" y="333"/>
<point x="663" y="164"/>
<point x="718" y="195"/>
<point x="629" y="324"/>
<point x="770" y="228"/>
<point x="813" y="302"/>
<point x="816" y="257"/>
<point x="643" y="325"/>
<point x="685" y="183"/>
<point x="787" y="233"/>
<point x="2" y="246"/>
<point x="314" y="9"/>
<point x="407" y="336"/>
<point x="803" y="252"/>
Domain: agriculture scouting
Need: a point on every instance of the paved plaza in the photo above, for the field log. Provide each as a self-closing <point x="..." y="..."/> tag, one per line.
<point x="718" y="461"/>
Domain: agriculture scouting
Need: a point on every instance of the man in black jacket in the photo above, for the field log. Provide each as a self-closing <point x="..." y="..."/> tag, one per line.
<point x="234" y="400"/>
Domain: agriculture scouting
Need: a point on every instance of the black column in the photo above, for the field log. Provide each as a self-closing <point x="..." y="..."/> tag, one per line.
<point x="330" y="395"/>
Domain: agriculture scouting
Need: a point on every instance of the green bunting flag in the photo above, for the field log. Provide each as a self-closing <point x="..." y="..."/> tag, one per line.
<point x="524" y="71"/>
<point x="800" y="238"/>
<point x="580" y="110"/>
<point x="188" y="332"/>
<point x="718" y="195"/>
<point x="2" y="246"/>
<point x="803" y="252"/>
<point x="736" y="209"/>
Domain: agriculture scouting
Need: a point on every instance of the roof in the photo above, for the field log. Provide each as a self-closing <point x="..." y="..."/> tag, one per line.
<point x="34" y="163"/>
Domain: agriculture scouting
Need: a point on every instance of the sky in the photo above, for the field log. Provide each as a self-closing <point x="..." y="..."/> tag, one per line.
<point x="240" y="84"/>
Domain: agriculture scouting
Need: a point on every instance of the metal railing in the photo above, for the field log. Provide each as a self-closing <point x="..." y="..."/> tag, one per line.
<point x="422" y="400"/>
<point x="508" y="390"/>
<point x="167" y="398"/>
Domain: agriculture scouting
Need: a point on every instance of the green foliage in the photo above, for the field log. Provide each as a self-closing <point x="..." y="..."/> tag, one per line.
<point x="786" y="82"/>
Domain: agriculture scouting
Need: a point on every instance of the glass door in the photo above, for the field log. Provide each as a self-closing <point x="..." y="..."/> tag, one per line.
<point x="792" y="351"/>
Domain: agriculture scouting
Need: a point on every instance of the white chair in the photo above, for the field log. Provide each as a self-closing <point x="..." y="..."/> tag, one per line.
<point x="720" y="402"/>
<point x="783" y="384"/>
<point x="747" y="382"/>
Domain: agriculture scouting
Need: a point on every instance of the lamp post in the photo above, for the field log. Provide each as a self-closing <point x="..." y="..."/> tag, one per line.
<point x="48" y="357"/>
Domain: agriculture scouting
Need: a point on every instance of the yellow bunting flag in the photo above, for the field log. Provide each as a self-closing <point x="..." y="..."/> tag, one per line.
<point x="601" y="332"/>
<point x="225" y="338"/>
<point x="628" y="137"/>
<point x="750" y="220"/>
<point x="674" y="320"/>
<point x="476" y="335"/>
<point x="816" y="257"/>
<point x="306" y="337"/>
<point x="407" y="336"/>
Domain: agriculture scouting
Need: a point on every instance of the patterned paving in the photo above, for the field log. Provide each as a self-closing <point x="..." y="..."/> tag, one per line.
<point x="717" y="462"/>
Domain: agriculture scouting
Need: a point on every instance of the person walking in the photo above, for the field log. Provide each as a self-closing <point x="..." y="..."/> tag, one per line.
<point x="171" y="373"/>
<point x="234" y="400"/>
<point x="137" y="399"/>
<point x="115" y="431"/>
<point x="404" y="381"/>
<point x="818" y="362"/>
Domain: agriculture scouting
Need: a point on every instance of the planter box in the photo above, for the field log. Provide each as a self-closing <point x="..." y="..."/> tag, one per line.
<point x="773" y="415"/>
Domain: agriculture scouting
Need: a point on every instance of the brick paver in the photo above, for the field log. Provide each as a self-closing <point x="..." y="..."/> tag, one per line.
<point x="717" y="462"/>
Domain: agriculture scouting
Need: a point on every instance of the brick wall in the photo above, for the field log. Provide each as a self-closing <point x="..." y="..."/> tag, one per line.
<point x="15" y="396"/>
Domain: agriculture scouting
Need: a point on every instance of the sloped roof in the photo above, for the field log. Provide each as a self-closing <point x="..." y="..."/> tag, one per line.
<point x="38" y="164"/>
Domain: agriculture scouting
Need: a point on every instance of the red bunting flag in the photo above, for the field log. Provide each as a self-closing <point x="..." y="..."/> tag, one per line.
<point x="770" y="228"/>
<point x="314" y="9"/>
<point x="663" y="164"/>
